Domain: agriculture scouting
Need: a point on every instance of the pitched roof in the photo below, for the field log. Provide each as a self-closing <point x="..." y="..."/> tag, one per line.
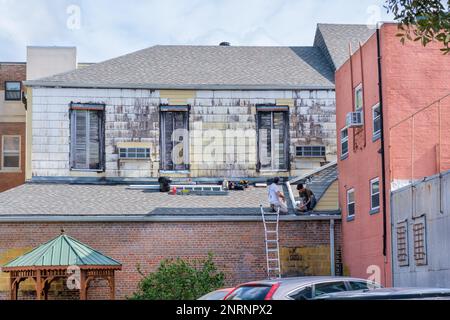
<point x="62" y="251"/>
<point x="98" y="202"/>
<point x="333" y="40"/>
<point x="318" y="181"/>
<point x="204" y="67"/>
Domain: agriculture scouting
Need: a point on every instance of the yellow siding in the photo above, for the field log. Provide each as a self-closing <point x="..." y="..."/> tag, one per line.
<point x="285" y="102"/>
<point x="177" y="94"/>
<point x="133" y="144"/>
<point x="330" y="200"/>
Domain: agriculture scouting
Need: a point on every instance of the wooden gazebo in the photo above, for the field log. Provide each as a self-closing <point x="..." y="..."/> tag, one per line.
<point x="62" y="257"/>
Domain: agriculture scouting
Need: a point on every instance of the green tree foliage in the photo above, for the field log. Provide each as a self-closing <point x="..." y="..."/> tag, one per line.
<point x="180" y="280"/>
<point x="422" y="20"/>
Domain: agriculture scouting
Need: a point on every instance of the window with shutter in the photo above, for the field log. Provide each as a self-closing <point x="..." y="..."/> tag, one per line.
<point x="273" y="140"/>
<point x="174" y="140"/>
<point x="87" y="139"/>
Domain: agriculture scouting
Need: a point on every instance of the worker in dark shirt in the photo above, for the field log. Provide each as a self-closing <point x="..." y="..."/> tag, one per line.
<point x="307" y="198"/>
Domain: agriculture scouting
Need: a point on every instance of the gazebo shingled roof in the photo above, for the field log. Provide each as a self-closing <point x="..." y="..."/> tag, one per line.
<point x="62" y="251"/>
<point x="56" y="259"/>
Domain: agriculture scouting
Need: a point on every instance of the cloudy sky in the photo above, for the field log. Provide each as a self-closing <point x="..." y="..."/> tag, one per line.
<point x="103" y="29"/>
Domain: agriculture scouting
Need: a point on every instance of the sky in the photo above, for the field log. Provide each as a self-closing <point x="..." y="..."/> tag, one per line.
<point x="103" y="29"/>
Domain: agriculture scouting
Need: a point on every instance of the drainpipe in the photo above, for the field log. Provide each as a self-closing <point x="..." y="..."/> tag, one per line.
<point x="332" y="262"/>
<point x="382" y="150"/>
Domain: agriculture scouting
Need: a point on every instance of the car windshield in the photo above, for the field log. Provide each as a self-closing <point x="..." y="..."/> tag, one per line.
<point x="249" y="293"/>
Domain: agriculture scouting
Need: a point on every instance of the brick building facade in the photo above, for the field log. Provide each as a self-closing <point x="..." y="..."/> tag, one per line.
<point x="12" y="125"/>
<point x="238" y="247"/>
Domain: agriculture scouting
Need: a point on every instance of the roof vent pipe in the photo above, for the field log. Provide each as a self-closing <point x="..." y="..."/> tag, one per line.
<point x="224" y="44"/>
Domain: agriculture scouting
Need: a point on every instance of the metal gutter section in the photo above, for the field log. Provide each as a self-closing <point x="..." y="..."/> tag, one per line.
<point x="38" y="83"/>
<point x="149" y="218"/>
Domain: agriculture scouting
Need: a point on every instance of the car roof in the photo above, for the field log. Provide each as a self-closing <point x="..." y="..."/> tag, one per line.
<point x="301" y="280"/>
<point x="392" y="293"/>
<point x="289" y="284"/>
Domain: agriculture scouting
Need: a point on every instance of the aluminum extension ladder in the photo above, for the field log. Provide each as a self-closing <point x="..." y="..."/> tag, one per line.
<point x="271" y="227"/>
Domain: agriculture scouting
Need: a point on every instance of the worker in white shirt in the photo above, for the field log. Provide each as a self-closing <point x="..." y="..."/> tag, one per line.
<point x="277" y="199"/>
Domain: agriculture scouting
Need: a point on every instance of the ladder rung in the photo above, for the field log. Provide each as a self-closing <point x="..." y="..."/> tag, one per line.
<point x="270" y="231"/>
<point x="278" y="269"/>
<point x="271" y="240"/>
<point x="272" y="250"/>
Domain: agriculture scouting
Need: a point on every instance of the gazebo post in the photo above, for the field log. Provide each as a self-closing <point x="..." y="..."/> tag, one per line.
<point x="83" y="285"/>
<point x="13" y="286"/>
<point x="112" y="287"/>
<point x="38" y="285"/>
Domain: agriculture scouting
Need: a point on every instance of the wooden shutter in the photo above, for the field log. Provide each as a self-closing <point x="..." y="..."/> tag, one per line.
<point x="86" y="139"/>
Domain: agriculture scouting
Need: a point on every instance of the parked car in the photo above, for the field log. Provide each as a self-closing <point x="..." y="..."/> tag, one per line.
<point x="300" y="288"/>
<point x="216" y="295"/>
<point x="391" y="294"/>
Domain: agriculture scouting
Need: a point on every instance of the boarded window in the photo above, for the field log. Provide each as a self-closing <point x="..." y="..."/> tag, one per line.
<point x="174" y="140"/>
<point x="10" y="153"/>
<point x="420" y="243"/>
<point x="87" y="139"/>
<point x="273" y="128"/>
<point x="402" y="244"/>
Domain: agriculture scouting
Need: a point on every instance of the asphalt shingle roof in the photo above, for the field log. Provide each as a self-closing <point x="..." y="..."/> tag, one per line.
<point x="333" y="40"/>
<point x="209" y="67"/>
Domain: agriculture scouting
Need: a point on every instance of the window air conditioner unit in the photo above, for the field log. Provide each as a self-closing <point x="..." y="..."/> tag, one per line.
<point x="354" y="119"/>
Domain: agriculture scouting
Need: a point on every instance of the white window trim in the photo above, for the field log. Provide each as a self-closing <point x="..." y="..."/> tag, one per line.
<point x="359" y="87"/>
<point x="11" y="169"/>
<point x="375" y="133"/>
<point x="352" y="190"/>
<point x="372" y="194"/>
<point x="342" y="142"/>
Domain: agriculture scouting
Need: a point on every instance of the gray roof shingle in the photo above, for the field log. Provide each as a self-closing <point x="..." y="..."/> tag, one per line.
<point x="209" y="67"/>
<point x="333" y="40"/>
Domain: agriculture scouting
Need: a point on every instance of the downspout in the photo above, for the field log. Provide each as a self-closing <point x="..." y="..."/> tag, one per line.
<point x="332" y="258"/>
<point x="382" y="150"/>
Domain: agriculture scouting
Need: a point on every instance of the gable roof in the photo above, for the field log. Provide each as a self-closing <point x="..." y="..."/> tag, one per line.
<point x="319" y="180"/>
<point x="204" y="67"/>
<point x="62" y="251"/>
<point x="333" y="40"/>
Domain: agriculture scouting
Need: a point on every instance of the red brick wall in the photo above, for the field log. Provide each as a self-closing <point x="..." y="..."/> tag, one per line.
<point x="238" y="246"/>
<point x="11" y="72"/>
<point x="10" y="180"/>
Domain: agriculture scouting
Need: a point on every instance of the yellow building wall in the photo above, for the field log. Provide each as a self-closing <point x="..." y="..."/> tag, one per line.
<point x="6" y="257"/>
<point x="330" y="200"/>
<point x="305" y="261"/>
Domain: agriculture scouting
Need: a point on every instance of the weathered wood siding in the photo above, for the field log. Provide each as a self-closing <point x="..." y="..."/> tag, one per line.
<point x="133" y="115"/>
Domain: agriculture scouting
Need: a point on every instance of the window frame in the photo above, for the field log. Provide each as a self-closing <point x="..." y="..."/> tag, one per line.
<point x="272" y="110"/>
<point x="162" y="135"/>
<point x="19" y="151"/>
<point x="351" y="216"/>
<point x="87" y="107"/>
<point x="372" y="182"/>
<point x="8" y="91"/>
<point x="358" y="88"/>
<point x="344" y="140"/>
<point x="127" y="151"/>
<point x="303" y="154"/>
<point x="376" y="134"/>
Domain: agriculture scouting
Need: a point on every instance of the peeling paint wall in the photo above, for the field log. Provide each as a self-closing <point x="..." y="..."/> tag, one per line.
<point x="133" y="116"/>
